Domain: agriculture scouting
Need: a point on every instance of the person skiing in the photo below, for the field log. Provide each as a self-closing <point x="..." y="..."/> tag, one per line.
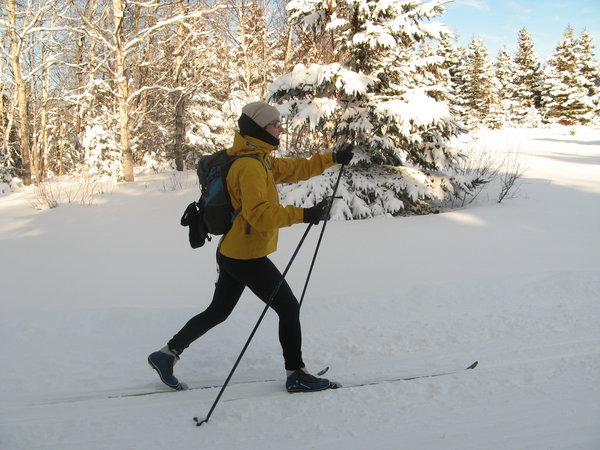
<point x="242" y="254"/>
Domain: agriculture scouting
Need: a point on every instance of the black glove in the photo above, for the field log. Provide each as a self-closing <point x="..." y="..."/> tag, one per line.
<point x="316" y="213"/>
<point x="344" y="156"/>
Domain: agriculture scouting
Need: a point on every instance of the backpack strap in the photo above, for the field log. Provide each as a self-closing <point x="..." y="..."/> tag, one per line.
<point x="251" y="155"/>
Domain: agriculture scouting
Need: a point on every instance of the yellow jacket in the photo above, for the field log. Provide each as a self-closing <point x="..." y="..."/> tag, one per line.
<point x="251" y="186"/>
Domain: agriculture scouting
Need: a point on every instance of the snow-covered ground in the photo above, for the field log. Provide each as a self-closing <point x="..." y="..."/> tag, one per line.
<point x="88" y="291"/>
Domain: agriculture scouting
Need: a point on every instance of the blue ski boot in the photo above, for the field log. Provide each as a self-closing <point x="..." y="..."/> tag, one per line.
<point x="300" y="381"/>
<point x="163" y="361"/>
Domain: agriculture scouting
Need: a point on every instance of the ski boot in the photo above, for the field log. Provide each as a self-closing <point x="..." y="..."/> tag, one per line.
<point x="300" y="381"/>
<point x="163" y="361"/>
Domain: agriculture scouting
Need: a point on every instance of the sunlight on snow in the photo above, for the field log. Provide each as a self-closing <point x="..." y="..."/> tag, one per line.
<point x="467" y="219"/>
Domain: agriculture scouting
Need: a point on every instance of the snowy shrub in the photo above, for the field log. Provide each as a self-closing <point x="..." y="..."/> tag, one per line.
<point x="102" y="153"/>
<point x="511" y="170"/>
<point x="5" y="168"/>
<point x="476" y="164"/>
<point x="492" y="170"/>
<point x="155" y="162"/>
<point x="44" y="196"/>
<point x="71" y="189"/>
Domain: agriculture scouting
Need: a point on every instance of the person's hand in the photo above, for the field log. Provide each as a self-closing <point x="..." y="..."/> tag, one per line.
<point x="316" y="213"/>
<point x="344" y="155"/>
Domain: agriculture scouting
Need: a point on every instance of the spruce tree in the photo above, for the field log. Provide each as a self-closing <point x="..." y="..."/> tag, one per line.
<point x="565" y="98"/>
<point x="379" y="96"/>
<point x="503" y="110"/>
<point x="589" y="70"/>
<point x="528" y="80"/>
<point x="479" y="90"/>
<point x="454" y="57"/>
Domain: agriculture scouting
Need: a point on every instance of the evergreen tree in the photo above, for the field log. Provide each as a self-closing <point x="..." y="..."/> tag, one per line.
<point x="454" y="57"/>
<point x="528" y="80"/>
<point x="479" y="91"/>
<point x="566" y="100"/>
<point x="380" y="97"/>
<point x="589" y="69"/>
<point x="503" y="109"/>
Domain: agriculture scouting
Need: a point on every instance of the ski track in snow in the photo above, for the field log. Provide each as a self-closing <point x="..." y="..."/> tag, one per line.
<point x="88" y="292"/>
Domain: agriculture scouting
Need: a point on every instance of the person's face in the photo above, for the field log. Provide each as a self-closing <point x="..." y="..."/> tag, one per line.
<point x="275" y="128"/>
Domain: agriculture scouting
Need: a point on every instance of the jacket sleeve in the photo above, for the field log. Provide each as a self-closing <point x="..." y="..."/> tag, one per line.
<point x="288" y="170"/>
<point x="248" y="185"/>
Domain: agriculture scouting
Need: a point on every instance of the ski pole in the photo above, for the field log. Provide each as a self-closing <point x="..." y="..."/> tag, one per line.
<point x="335" y="188"/>
<point x="266" y="308"/>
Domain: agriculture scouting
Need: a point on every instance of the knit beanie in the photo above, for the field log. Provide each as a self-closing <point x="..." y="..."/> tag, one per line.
<point x="255" y="117"/>
<point x="261" y="112"/>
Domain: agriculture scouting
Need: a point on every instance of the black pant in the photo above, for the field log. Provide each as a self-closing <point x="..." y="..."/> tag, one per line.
<point x="261" y="276"/>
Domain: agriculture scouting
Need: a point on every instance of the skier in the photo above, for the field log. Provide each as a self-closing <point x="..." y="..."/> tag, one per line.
<point x="242" y="252"/>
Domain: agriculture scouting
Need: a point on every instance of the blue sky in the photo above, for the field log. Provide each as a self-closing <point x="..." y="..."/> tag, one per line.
<point x="498" y="22"/>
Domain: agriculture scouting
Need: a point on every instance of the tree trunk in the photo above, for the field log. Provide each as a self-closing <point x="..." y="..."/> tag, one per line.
<point x="44" y="146"/>
<point x="25" y="138"/>
<point x="179" y="96"/>
<point x="179" y="132"/>
<point x="123" y="91"/>
<point x="61" y="148"/>
<point x="79" y="48"/>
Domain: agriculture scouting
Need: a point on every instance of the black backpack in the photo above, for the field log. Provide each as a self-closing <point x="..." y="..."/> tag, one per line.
<point x="212" y="213"/>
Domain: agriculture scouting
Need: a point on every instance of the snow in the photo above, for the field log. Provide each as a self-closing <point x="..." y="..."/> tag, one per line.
<point x="303" y="77"/>
<point x="416" y="108"/>
<point x="88" y="291"/>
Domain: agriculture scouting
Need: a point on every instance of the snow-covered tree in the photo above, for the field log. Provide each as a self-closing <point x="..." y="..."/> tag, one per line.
<point x="565" y="98"/>
<point x="589" y="70"/>
<point x="479" y="91"/>
<point x="379" y="96"/>
<point x="254" y="48"/>
<point x="454" y="57"/>
<point x="5" y="168"/>
<point x="103" y="155"/>
<point x="201" y="81"/>
<point x="208" y="129"/>
<point x="502" y="110"/>
<point x="528" y="81"/>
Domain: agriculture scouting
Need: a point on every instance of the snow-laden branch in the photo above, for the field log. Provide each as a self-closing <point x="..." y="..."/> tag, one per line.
<point x="53" y="59"/>
<point x="148" y="88"/>
<point x="170" y="21"/>
<point x="91" y="30"/>
<point x="47" y="29"/>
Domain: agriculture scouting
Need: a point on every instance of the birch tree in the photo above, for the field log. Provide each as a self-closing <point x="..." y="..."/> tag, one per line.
<point x="17" y="34"/>
<point x="129" y="41"/>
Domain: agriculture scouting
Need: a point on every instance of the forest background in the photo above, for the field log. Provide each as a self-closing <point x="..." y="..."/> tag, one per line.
<point x="100" y="89"/>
